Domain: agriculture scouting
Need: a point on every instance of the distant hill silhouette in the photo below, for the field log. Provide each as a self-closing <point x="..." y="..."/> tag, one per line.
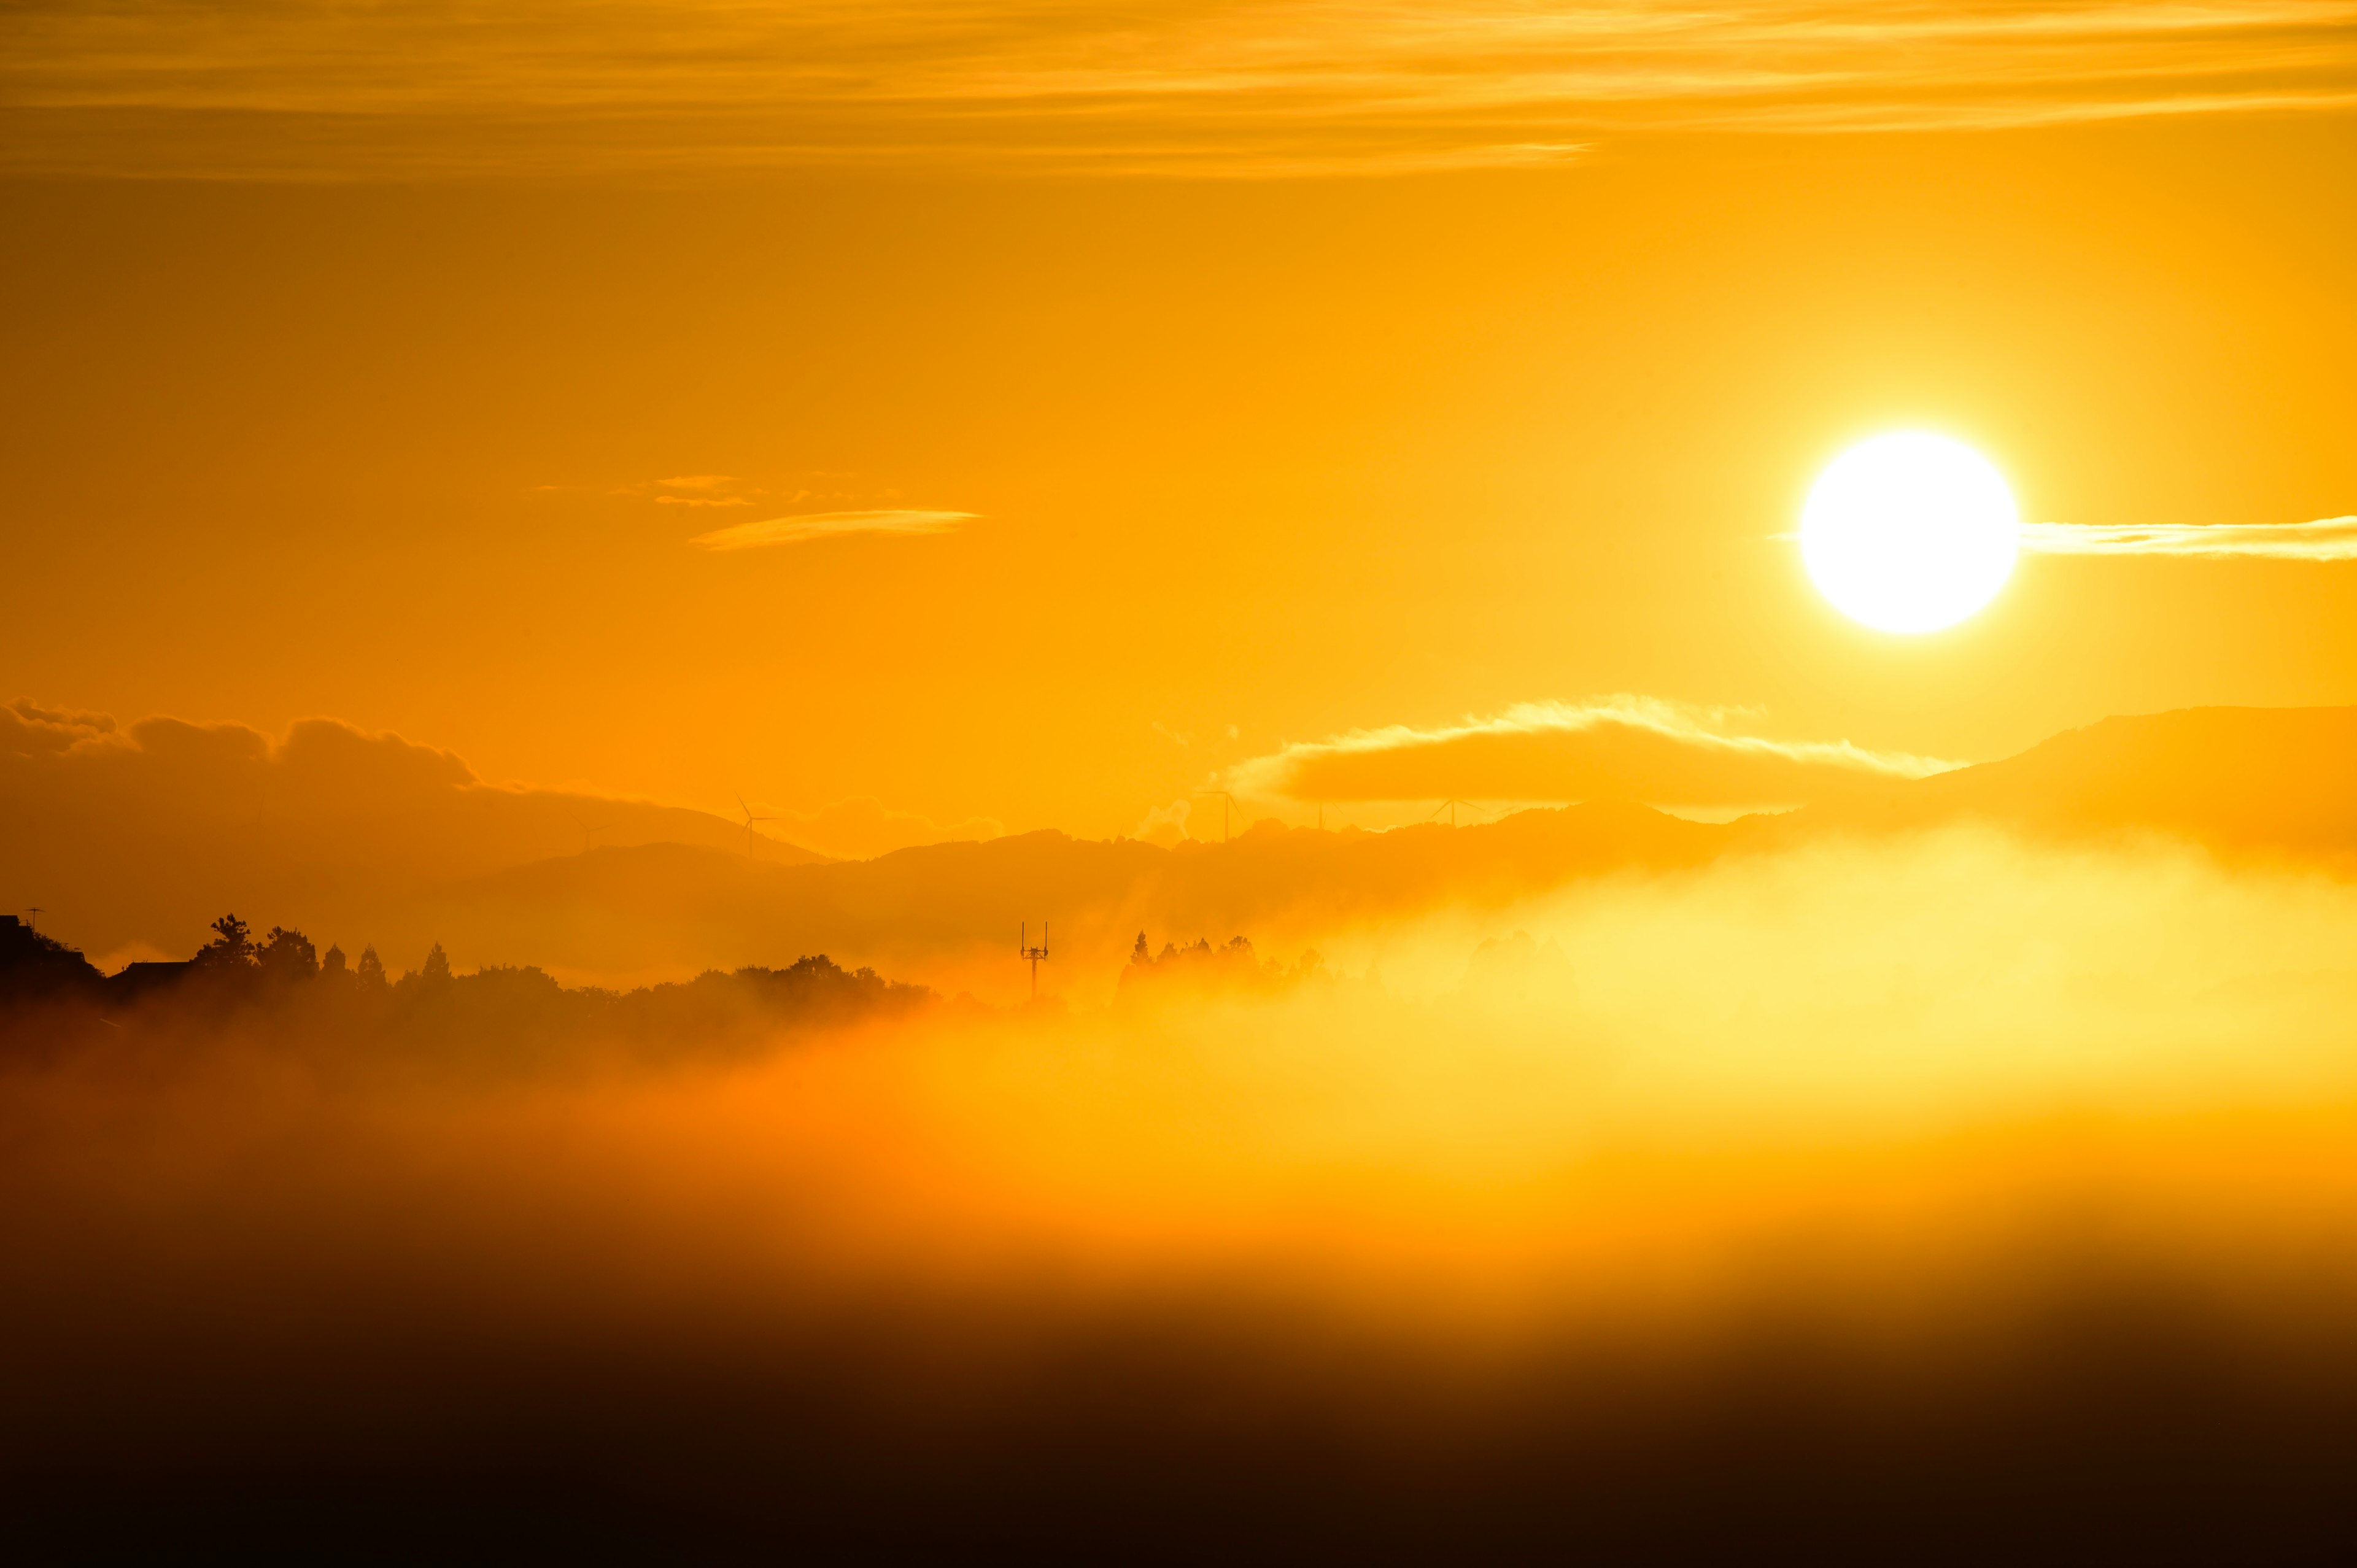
<point x="948" y="912"/>
<point x="131" y="834"/>
<point x="2240" y="780"/>
<point x="2273" y="781"/>
<point x="396" y="845"/>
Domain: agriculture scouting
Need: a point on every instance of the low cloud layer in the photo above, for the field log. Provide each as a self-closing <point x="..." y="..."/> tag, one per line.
<point x="1621" y="748"/>
<point x="818" y="525"/>
<point x="2326" y="539"/>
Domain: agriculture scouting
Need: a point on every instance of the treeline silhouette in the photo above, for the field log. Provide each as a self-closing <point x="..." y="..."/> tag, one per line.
<point x="279" y="985"/>
<point x="1203" y="969"/>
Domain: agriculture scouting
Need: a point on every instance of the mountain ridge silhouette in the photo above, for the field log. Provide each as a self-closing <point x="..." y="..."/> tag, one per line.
<point x="2246" y="783"/>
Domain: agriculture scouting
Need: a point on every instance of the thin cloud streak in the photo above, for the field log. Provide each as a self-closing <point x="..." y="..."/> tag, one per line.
<point x="2326" y="539"/>
<point x="1624" y="747"/>
<point x="818" y="525"/>
<point x="415" y="88"/>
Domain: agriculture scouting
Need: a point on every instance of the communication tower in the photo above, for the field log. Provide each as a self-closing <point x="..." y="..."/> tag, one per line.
<point x="1031" y="955"/>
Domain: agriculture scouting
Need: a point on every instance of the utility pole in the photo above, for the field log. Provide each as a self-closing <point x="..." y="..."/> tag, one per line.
<point x="1032" y="955"/>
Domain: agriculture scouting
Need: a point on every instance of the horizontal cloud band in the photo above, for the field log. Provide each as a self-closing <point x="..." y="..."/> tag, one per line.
<point x="306" y="87"/>
<point x="829" y="525"/>
<point x="2327" y="538"/>
<point x="1622" y="747"/>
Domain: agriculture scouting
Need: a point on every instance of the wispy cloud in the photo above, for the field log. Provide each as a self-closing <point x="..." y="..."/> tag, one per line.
<point x="2326" y="539"/>
<point x="420" y="88"/>
<point x="1619" y="747"/>
<point x="829" y="525"/>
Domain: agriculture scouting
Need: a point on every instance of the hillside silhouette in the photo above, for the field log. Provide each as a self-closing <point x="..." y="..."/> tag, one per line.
<point x="950" y="911"/>
<point x="2276" y="783"/>
<point x="135" y="826"/>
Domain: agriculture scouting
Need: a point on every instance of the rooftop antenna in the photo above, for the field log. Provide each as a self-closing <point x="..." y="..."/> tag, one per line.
<point x="1226" y="801"/>
<point x="749" y="820"/>
<point x="1032" y="955"/>
<point x="32" y="924"/>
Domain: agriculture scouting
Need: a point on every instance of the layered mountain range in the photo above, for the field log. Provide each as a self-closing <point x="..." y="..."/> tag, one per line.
<point x="686" y="891"/>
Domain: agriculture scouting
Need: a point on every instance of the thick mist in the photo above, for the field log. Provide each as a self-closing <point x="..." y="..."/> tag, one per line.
<point x="1925" y="1154"/>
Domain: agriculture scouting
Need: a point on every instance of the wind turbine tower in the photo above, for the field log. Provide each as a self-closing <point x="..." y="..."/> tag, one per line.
<point x="749" y="820"/>
<point x="1227" y="803"/>
<point x="588" y="833"/>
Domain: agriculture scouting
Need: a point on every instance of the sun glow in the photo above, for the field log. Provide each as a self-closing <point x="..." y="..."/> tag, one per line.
<point x="1910" y="532"/>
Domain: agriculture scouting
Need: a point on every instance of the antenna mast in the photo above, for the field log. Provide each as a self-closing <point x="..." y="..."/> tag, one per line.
<point x="1031" y="955"/>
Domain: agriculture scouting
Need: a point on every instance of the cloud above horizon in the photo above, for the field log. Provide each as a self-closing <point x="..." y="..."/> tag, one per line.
<point x="1620" y="748"/>
<point x="2326" y="539"/>
<point x="414" y="88"/>
<point x="810" y="526"/>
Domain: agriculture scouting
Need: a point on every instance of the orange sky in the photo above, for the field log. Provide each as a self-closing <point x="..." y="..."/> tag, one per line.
<point x="1302" y="371"/>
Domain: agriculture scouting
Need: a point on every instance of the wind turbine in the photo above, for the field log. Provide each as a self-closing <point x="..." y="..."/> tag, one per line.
<point x="749" y="820"/>
<point x="1226" y="801"/>
<point x="588" y="833"/>
<point x="1448" y="806"/>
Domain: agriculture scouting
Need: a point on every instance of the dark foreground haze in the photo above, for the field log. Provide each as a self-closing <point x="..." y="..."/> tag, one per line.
<point x="1923" y="1200"/>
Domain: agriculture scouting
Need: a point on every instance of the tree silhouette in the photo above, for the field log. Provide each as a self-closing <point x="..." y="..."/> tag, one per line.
<point x="332" y="961"/>
<point x="287" y="955"/>
<point x="437" y="967"/>
<point x="371" y="972"/>
<point x="232" y="947"/>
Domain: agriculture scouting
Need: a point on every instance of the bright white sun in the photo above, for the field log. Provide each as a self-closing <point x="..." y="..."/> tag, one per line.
<point x="1910" y="532"/>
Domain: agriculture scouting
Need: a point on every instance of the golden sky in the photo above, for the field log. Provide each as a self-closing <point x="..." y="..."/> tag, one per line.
<point x="577" y="486"/>
<point x="1030" y="415"/>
